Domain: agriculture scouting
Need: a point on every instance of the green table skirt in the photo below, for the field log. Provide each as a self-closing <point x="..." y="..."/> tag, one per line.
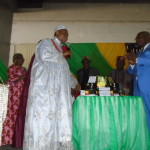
<point x="110" y="123"/>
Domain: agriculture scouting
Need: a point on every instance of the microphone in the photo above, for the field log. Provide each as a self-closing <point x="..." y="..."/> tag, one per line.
<point x="68" y="45"/>
<point x="67" y="48"/>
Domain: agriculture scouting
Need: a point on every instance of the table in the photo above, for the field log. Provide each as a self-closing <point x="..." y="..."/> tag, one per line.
<point x="110" y="123"/>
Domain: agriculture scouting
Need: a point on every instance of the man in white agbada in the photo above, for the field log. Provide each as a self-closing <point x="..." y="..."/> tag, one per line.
<point x="48" y="124"/>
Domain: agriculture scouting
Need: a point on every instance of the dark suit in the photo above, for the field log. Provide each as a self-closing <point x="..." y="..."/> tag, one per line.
<point x="124" y="81"/>
<point x="83" y="76"/>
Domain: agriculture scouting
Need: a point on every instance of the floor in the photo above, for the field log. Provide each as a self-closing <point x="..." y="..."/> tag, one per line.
<point x="8" y="147"/>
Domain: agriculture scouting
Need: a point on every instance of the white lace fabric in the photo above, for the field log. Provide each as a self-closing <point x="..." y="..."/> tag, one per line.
<point x="48" y="124"/>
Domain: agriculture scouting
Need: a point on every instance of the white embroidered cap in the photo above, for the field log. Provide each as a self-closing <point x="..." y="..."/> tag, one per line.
<point x="60" y="27"/>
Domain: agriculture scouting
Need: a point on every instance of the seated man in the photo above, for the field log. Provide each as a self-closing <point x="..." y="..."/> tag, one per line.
<point x="84" y="73"/>
<point x="122" y="78"/>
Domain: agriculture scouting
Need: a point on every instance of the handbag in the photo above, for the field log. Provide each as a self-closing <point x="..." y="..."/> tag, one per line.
<point x="4" y="90"/>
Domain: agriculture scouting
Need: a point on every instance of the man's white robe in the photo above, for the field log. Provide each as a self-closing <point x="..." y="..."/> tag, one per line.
<point x="48" y="124"/>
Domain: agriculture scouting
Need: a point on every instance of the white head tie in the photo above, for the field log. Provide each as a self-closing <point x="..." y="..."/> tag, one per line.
<point x="60" y="27"/>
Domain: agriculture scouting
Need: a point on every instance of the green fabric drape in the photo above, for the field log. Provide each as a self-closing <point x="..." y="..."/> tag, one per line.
<point x="3" y="71"/>
<point x="91" y="50"/>
<point x="109" y="123"/>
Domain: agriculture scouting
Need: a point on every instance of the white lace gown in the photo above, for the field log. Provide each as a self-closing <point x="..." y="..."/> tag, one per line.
<point x="48" y="124"/>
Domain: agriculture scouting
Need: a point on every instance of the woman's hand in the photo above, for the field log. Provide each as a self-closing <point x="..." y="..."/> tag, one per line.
<point x="20" y="78"/>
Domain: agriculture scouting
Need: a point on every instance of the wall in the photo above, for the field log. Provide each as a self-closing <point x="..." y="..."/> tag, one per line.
<point x="86" y="22"/>
<point x="6" y="16"/>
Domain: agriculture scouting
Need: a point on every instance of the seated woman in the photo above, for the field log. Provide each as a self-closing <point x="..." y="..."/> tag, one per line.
<point x="16" y="75"/>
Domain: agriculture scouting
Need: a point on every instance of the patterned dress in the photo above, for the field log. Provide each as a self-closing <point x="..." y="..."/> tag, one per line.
<point x="14" y="72"/>
<point x="20" y="121"/>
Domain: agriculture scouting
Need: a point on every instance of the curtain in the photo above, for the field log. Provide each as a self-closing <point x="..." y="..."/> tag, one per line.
<point x="91" y="50"/>
<point x="26" y="49"/>
<point x="102" y="55"/>
<point x="110" y="51"/>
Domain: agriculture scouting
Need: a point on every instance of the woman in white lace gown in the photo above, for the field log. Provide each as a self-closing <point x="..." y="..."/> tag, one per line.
<point x="48" y="124"/>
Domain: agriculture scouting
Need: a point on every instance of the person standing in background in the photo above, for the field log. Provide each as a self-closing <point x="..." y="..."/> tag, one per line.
<point x="16" y="75"/>
<point x="20" y="121"/>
